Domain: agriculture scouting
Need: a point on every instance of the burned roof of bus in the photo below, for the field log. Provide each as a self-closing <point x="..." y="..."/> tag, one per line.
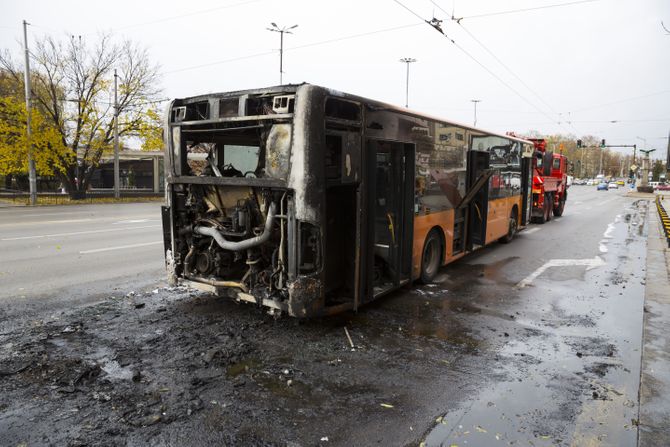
<point x="370" y="103"/>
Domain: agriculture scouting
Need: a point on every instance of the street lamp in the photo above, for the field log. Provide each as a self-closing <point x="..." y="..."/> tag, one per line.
<point x="281" y="32"/>
<point x="475" y="101"/>
<point x="407" y="60"/>
<point x="645" y="167"/>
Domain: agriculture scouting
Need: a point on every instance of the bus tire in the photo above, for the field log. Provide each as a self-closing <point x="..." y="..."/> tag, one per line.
<point x="511" y="231"/>
<point x="431" y="258"/>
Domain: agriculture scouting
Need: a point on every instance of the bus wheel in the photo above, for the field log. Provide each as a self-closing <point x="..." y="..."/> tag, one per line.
<point x="511" y="231"/>
<point x="431" y="258"/>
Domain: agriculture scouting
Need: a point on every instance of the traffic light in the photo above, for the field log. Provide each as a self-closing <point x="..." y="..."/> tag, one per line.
<point x="579" y="143"/>
<point x="602" y="143"/>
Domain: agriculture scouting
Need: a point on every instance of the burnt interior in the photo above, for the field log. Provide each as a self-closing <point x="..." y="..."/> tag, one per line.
<point x="230" y="234"/>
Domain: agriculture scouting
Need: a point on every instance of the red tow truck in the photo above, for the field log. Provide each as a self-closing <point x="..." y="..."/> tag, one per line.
<point x="550" y="182"/>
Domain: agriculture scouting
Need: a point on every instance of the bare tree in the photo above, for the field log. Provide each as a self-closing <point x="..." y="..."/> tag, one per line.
<point x="73" y="84"/>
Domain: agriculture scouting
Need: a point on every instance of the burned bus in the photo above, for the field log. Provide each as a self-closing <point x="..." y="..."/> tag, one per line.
<point x="310" y="201"/>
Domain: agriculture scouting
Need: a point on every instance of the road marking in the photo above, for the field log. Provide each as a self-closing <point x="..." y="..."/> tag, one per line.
<point x="589" y="263"/>
<point x="42" y="222"/>
<point x="134" y="221"/>
<point x="531" y="231"/>
<point x="76" y="233"/>
<point x="120" y="247"/>
<point x="55" y="213"/>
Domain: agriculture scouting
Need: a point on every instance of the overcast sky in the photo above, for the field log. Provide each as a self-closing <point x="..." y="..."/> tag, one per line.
<point x="598" y="67"/>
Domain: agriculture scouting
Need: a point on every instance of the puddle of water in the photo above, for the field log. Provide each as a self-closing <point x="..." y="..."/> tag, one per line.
<point x="242" y="367"/>
<point x="279" y="386"/>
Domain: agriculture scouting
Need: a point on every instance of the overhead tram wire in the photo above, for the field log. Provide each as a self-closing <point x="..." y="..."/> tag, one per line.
<point x="509" y="70"/>
<point x="514" y="11"/>
<point x="190" y="14"/>
<point x="313" y="44"/>
<point x="633" y="98"/>
<point x="505" y="66"/>
<point x="488" y="70"/>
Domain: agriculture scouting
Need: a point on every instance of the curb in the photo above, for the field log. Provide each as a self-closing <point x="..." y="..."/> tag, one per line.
<point x="654" y="391"/>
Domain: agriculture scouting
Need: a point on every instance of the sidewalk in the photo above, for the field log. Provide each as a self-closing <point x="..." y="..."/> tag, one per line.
<point x="655" y="377"/>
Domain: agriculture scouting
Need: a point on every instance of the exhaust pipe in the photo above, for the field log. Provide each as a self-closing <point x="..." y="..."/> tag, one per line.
<point x="246" y="243"/>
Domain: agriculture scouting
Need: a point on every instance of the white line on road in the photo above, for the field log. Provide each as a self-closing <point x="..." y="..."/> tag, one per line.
<point x="120" y="247"/>
<point x="55" y="213"/>
<point x="589" y="263"/>
<point x="76" y="233"/>
<point x="531" y="231"/>
<point x="42" y="222"/>
<point x="131" y="221"/>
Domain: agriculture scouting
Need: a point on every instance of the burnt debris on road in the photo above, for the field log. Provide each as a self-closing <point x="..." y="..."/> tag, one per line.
<point x="472" y="357"/>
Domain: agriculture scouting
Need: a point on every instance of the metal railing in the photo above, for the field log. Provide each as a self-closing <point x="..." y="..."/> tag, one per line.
<point x="94" y="196"/>
<point x="665" y="220"/>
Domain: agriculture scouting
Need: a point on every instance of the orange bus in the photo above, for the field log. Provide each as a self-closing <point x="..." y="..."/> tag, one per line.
<point x="310" y="201"/>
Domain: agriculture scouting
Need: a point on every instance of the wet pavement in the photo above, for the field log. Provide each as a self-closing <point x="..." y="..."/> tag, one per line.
<point x="537" y="342"/>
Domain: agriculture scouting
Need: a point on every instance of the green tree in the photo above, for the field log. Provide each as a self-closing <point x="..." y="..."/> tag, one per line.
<point x="72" y="84"/>
<point x="657" y="169"/>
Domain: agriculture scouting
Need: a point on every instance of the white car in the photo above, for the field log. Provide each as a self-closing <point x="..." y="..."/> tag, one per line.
<point x="613" y="185"/>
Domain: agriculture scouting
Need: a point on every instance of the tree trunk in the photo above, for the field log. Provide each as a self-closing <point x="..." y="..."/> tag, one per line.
<point x="72" y="185"/>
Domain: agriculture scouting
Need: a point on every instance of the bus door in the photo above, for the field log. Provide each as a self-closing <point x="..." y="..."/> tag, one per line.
<point x="478" y="187"/>
<point x="390" y="215"/>
<point x="526" y="189"/>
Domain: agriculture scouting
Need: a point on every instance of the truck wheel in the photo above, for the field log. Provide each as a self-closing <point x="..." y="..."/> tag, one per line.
<point x="549" y="203"/>
<point x="431" y="257"/>
<point x="558" y="211"/>
<point x="546" y="211"/>
<point x="511" y="231"/>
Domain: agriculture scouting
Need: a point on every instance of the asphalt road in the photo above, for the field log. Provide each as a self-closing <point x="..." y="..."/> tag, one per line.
<point x="537" y="342"/>
<point x="574" y="288"/>
<point x="78" y="252"/>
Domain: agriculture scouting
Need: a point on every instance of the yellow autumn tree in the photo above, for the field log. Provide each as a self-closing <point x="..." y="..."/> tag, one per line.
<point x="151" y="131"/>
<point x="72" y="86"/>
<point x="48" y="150"/>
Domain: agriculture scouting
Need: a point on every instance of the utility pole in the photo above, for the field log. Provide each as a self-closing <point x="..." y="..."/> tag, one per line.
<point x="475" y="101"/>
<point x="32" y="174"/>
<point x="407" y="61"/>
<point x="644" y="140"/>
<point x="117" y="193"/>
<point x="600" y="165"/>
<point x="281" y="32"/>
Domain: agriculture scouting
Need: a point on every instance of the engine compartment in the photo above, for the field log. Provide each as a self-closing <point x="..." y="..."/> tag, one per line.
<point x="233" y="237"/>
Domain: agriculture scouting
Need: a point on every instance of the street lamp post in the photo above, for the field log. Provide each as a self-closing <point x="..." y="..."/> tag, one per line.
<point x="281" y="32"/>
<point x="407" y="61"/>
<point x="32" y="173"/>
<point x="644" y="187"/>
<point x="475" y="101"/>
<point x="644" y="140"/>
